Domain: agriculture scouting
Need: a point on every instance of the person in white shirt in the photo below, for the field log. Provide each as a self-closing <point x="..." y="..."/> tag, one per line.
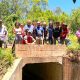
<point x="18" y="33"/>
<point x="3" y="35"/>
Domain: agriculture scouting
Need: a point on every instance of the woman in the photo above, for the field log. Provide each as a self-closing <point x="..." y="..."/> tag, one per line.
<point x="18" y="35"/>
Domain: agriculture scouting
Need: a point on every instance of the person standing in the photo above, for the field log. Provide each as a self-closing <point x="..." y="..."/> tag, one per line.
<point x="45" y="31"/>
<point x="3" y="35"/>
<point x="29" y="27"/>
<point x="56" y="32"/>
<point x="34" y="23"/>
<point x="63" y="34"/>
<point x="50" y="32"/>
<point x="18" y="33"/>
<point x="39" y="33"/>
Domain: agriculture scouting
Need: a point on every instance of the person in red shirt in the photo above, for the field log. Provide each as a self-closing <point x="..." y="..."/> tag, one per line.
<point x="64" y="33"/>
<point x="28" y="38"/>
<point x="22" y="33"/>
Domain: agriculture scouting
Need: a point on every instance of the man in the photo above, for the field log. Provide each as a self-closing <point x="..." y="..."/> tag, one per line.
<point x="29" y="27"/>
<point x="56" y="32"/>
<point x="3" y="35"/>
<point x="39" y="33"/>
<point x="50" y="32"/>
<point x="45" y="31"/>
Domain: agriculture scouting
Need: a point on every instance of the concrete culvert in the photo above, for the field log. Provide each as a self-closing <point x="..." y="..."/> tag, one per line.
<point x="42" y="71"/>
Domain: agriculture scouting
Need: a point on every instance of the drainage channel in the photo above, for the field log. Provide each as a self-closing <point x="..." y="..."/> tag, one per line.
<point x="42" y="71"/>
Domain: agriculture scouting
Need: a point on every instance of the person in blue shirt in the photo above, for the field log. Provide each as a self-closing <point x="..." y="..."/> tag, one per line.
<point x="29" y="27"/>
<point x="39" y="33"/>
<point x="50" y="32"/>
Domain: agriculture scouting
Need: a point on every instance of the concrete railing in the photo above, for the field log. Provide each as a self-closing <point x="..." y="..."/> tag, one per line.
<point x="15" y="71"/>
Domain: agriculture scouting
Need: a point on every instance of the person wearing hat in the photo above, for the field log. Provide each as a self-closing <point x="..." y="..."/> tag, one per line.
<point x="29" y="27"/>
<point x="3" y="35"/>
<point x="39" y="33"/>
<point x="64" y="33"/>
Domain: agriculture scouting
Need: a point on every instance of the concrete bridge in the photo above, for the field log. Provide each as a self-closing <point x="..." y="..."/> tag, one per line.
<point x="40" y="53"/>
<point x="41" y="62"/>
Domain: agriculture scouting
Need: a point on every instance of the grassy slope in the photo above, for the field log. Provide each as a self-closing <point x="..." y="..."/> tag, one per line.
<point x="6" y="59"/>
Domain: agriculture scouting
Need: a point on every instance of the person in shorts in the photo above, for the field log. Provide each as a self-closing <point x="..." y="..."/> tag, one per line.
<point x="39" y="33"/>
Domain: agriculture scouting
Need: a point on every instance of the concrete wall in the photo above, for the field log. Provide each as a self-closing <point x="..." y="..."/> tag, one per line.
<point x="15" y="71"/>
<point x="71" y="70"/>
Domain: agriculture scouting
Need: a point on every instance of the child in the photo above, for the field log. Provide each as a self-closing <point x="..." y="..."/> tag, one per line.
<point x="28" y="38"/>
<point x="78" y="35"/>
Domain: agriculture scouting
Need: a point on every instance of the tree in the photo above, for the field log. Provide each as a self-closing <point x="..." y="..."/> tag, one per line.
<point x="75" y="19"/>
<point x="58" y="11"/>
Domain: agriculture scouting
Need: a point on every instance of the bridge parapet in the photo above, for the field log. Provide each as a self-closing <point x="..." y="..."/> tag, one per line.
<point x="40" y="53"/>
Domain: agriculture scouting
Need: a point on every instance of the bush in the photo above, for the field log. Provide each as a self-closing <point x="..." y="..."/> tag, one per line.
<point x="7" y="56"/>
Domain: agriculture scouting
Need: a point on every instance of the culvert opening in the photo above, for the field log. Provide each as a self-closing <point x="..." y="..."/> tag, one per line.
<point x="42" y="71"/>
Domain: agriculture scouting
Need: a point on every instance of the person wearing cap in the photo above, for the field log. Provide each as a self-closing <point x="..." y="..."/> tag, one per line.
<point x="39" y="33"/>
<point x="50" y="32"/>
<point x="29" y="27"/>
<point x="78" y="35"/>
<point x="3" y="35"/>
<point x="56" y="32"/>
<point x="64" y="33"/>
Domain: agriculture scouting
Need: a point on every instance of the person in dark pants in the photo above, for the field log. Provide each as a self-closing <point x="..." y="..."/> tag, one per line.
<point x="56" y="32"/>
<point x="63" y="34"/>
<point x="50" y="32"/>
<point x="45" y="31"/>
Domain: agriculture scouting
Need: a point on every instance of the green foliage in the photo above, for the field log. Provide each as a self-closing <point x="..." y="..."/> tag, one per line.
<point x="74" y="44"/>
<point x="10" y="10"/>
<point x="6" y="55"/>
<point x="75" y="20"/>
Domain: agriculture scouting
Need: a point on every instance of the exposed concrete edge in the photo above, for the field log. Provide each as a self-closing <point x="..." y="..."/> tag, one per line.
<point x="12" y="69"/>
<point x="33" y="60"/>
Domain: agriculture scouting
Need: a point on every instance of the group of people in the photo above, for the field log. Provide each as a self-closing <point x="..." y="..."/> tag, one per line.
<point x="40" y="33"/>
<point x="37" y="32"/>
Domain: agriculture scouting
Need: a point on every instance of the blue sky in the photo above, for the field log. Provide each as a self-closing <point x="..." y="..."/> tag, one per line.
<point x="65" y="5"/>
